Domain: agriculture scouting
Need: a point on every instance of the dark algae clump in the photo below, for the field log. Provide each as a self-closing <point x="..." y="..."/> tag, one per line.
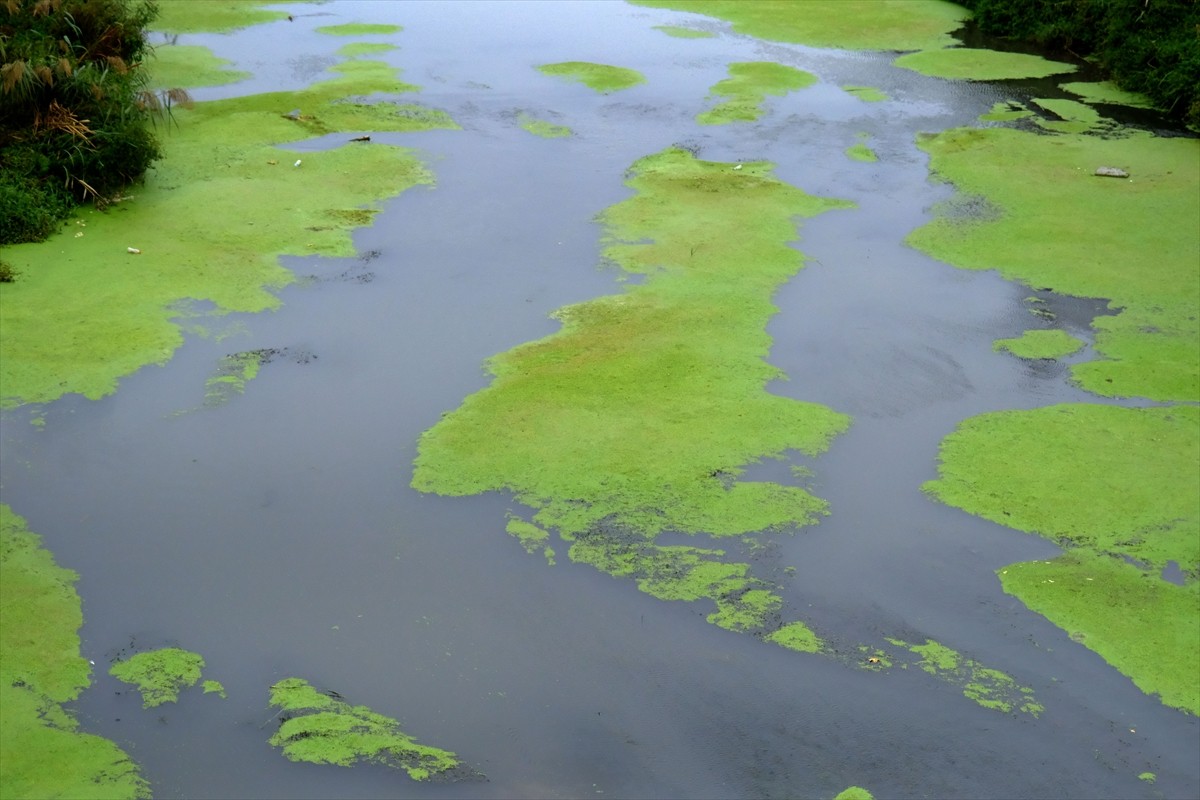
<point x="321" y="728"/>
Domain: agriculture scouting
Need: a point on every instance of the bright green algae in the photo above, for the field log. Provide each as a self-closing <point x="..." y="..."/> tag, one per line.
<point x="1107" y="483"/>
<point x="1143" y="626"/>
<point x="359" y="29"/>
<point x="356" y="49"/>
<point x="988" y="687"/>
<point x="860" y="151"/>
<point x="323" y="729"/>
<point x="868" y="94"/>
<point x="186" y="66"/>
<point x="747" y="88"/>
<point x="233" y="372"/>
<point x="854" y="793"/>
<point x="684" y="33"/>
<point x="214" y="687"/>
<point x="212" y="16"/>
<point x="637" y="416"/>
<point x="1107" y="92"/>
<point x="160" y="674"/>
<point x="603" y="78"/>
<point x="894" y="24"/>
<point x="980" y="65"/>
<point x="1040" y="344"/>
<point x="86" y="312"/>
<point x="1132" y="242"/>
<point x="42" y="754"/>
<point x="542" y="128"/>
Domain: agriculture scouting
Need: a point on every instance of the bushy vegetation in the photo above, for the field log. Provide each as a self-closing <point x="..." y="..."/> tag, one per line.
<point x="73" y="108"/>
<point x="1148" y="46"/>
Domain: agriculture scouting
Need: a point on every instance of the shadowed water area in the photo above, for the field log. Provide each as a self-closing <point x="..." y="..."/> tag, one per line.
<point x="277" y="533"/>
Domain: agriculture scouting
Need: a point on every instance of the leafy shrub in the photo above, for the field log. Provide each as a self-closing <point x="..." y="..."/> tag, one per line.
<point x="73" y="107"/>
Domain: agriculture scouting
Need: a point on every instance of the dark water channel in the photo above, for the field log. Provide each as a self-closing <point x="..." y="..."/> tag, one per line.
<point x="277" y="534"/>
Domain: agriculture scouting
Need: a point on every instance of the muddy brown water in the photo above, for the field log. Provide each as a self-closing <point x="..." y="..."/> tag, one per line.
<point x="277" y="534"/>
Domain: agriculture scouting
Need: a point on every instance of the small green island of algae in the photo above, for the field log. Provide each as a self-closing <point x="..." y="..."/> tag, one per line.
<point x="1044" y="344"/>
<point x="42" y="752"/>
<point x="854" y="793"/>
<point x="603" y="78"/>
<point x="988" y="687"/>
<point x="747" y="87"/>
<point x="321" y="728"/>
<point x="636" y="418"/>
<point x="161" y="674"/>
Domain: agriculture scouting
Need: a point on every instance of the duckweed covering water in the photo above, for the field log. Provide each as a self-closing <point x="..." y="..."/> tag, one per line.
<point x="1040" y="344"/>
<point x="601" y="77"/>
<point x="747" y="87"/>
<point x="684" y="33"/>
<point x="636" y="417"/>
<point x="42" y="753"/>
<point x="988" y="687"/>
<point x="540" y="127"/>
<point x="188" y="16"/>
<point x="86" y="312"/>
<point x="190" y="65"/>
<point x="895" y="24"/>
<point x="359" y="29"/>
<point x="969" y="64"/>
<point x="854" y="793"/>
<point x="867" y="94"/>
<point x="323" y="729"/>
<point x="160" y="674"/>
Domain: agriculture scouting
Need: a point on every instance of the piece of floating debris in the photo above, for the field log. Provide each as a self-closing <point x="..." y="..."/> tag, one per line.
<point x="272" y="162"/>
<point x="739" y="166"/>
<point x="293" y="114"/>
<point x="361" y="139"/>
<point x="297" y="163"/>
<point x="133" y="250"/>
<point x="1111" y="172"/>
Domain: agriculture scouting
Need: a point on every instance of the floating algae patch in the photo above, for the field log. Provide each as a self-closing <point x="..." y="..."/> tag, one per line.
<point x="188" y="16"/>
<point x="356" y="49"/>
<point x="854" y="793"/>
<point x="1007" y="111"/>
<point x="963" y="63"/>
<point x="42" y="752"/>
<point x="1074" y="117"/>
<point x="637" y="416"/>
<point x="160" y="674"/>
<point x="868" y="94"/>
<point x="601" y="77"/>
<point x="1107" y="92"/>
<point x="86" y="311"/>
<point x="1148" y="777"/>
<point x="747" y="87"/>
<point x="796" y="636"/>
<point x="850" y="24"/>
<point x="214" y="687"/>
<point x="359" y="29"/>
<point x="684" y="33"/>
<point x="859" y="151"/>
<point x="540" y="127"/>
<point x="321" y="728"/>
<point x="531" y="537"/>
<point x="1107" y="483"/>
<point x="1131" y="241"/>
<point x="1040" y="344"/>
<point x="237" y="369"/>
<point x="988" y="687"/>
<point x="1142" y="625"/>
<point x="187" y="66"/>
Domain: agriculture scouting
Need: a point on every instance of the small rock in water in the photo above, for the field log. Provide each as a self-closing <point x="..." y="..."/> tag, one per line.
<point x="1111" y="172"/>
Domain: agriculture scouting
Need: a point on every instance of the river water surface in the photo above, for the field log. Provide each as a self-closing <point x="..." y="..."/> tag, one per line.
<point x="277" y="535"/>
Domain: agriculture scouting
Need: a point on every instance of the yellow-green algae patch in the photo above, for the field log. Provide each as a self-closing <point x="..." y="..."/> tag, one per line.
<point x="796" y="636"/>
<point x="356" y="49"/>
<point x="1142" y="625"/>
<point x="603" y="78"/>
<point x="849" y="24"/>
<point x="214" y="687"/>
<point x="543" y="128"/>
<point x="215" y="16"/>
<point x="42" y="752"/>
<point x="747" y="87"/>
<point x="868" y="94"/>
<point x="86" y="311"/>
<point x="1006" y="112"/>
<point x="859" y="151"/>
<point x="1107" y="483"/>
<point x="1106" y="92"/>
<point x="1075" y="117"/>
<point x="1053" y="343"/>
<point x="684" y="33"/>
<point x="186" y="66"/>
<point x="321" y="728"/>
<point x="160" y="674"/>
<point x="359" y="29"/>
<point x="637" y="416"/>
<point x="973" y="64"/>
<point x="1057" y="225"/>
<point x="988" y="687"/>
<point x="854" y="793"/>
<point x="233" y="372"/>
<point x="1148" y="777"/>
